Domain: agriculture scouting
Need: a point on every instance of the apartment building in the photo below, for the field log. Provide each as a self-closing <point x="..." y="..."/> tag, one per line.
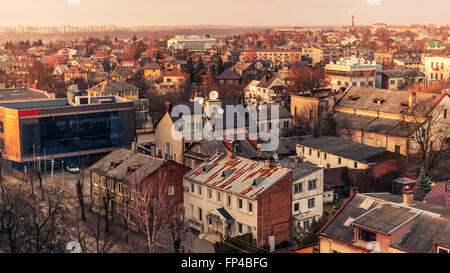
<point x="401" y="79"/>
<point x="270" y="89"/>
<point x="350" y="72"/>
<point x="276" y="56"/>
<point x="308" y="190"/>
<point x="228" y="196"/>
<point x="124" y="175"/>
<point x="191" y="43"/>
<point x="437" y="68"/>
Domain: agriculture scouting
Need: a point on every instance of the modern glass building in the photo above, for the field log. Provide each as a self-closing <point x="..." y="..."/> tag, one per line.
<point x="59" y="129"/>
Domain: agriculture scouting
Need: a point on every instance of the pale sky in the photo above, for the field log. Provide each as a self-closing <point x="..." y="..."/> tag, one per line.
<point x="221" y="12"/>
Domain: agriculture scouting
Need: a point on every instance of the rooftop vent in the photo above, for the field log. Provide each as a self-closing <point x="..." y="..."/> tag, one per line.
<point x="258" y="181"/>
<point x="207" y="168"/>
<point x="378" y="100"/>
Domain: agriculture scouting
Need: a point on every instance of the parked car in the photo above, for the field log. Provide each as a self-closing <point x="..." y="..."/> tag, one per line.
<point x="72" y="168"/>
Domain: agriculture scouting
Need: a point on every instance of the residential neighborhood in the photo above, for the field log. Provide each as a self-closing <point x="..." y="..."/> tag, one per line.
<point x="330" y="137"/>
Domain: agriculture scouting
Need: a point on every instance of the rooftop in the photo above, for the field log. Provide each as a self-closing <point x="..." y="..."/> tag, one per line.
<point x="347" y="149"/>
<point x="237" y="175"/>
<point x="17" y="94"/>
<point x="299" y="170"/>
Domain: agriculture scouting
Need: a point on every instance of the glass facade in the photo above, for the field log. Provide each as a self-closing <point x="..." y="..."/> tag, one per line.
<point x="73" y="133"/>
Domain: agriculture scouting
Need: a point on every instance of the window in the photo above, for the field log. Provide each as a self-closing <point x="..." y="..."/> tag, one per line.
<point x="240" y="203"/>
<point x="306" y="224"/>
<point x="210" y="221"/>
<point x="250" y="207"/>
<point x="229" y="200"/>
<point x="324" y="156"/>
<point x="310" y="151"/>
<point x="367" y="235"/>
<point x="311" y="203"/>
<point x="199" y="190"/>
<point x="200" y="214"/>
<point x="392" y="82"/>
<point x="318" y="154"/>
<point x="286" y="124"/>
<point x="120" y="188"/>
<point x="312" y="184"/>
<point x="218" y="196"/>
<point x="356" y="165"/>
<point x="296" y="206"/>
<point x="249" y="229"/>
<point x="1" y="126"/>
<point x="339" y="160"/>
<point x="192" y="188"/>
<point x="397" y="149"/>
<point x="104" y="182"/>
<point x="209" y="194"/>
<point x="298" y="187"/>
<point x="445" y="113"/>
<point x="95" y="179"/>
<point x="171" y="190"/>
<point x="240" y="227"/>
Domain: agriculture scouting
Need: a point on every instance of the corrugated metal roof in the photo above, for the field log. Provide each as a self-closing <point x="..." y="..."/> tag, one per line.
<point x="241" y="180"/>
<point x="125" y="165"/>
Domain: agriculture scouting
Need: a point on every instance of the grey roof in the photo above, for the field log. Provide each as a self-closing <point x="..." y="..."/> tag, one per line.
<point x="211" y="146"/>
<point x="426" y="227"/>
<point x="266" y="113"/>
<point x="374" y="124"/>
<point x="151" y="66"/>
<point x="347" y="149"/>
<point x="391" y="104"/>
<point x="117" y="163"/>
<point x="385" y="218"/>
<point x="299" y="170"/>
<point x="16" y="94"/>
<point x="404" y="73"/>
<point x="37" y="104"/>
<point x="111" y="86"/>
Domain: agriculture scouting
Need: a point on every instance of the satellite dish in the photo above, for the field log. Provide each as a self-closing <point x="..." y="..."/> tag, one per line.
<point x="214" y="95"/>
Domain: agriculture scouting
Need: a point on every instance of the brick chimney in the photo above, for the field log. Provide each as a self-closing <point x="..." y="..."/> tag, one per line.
<point x="408" y="196"/>
<point x="353" y="190"/>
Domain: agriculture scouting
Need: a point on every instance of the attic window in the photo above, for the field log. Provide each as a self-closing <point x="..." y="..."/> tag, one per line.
<point x="353" y="97"/>
<point x="258" y="181"/>
<point x="404" y="104"/>
<point x="208" y="167"/>
<point x="227" y="173"/>
<point x="378" y="100"/>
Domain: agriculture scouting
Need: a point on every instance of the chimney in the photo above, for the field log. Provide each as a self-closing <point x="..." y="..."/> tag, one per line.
<point x="268" y="164"/>
<point x="412" y="101"/>
<point x="408" y="196"/>
<point x="230" y="154"/>
<point x="353" y="191"/>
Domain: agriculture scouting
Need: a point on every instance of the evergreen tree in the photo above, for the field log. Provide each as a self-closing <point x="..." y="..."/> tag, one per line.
<point x="220" y="68"/>
<point x="189" y="68"/>
<point x="134" y="39"/>
<point x="423" y="186"/>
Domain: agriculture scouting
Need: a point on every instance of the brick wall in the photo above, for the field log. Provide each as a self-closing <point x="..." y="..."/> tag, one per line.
<point x="274" y="212"/>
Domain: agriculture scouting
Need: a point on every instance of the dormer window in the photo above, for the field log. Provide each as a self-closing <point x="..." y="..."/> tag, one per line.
<point x="378" y="100"/>
<point x="227" y="173"/>
<point x="207" y="168"/>
<point x="404" y="104"/>
<point x="367" y="236"/>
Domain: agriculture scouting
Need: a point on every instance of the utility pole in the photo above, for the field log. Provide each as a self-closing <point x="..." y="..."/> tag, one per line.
<point x="62" y="170"/>
<point x="45" y="162"/>
<point x="53" y="165"/>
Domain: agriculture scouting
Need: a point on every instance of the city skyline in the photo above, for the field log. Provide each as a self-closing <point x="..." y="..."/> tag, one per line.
<point x="205" y="12"/>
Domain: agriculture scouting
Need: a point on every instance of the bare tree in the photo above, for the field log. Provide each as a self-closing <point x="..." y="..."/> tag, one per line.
<point x="154" y="210"/>
<point x="430" y="135"/>
<point x="80" y="182"/>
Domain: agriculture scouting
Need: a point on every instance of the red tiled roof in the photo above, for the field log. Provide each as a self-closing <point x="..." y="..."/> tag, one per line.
<point x="229" y="75"/>
<point x="439" y="195"/>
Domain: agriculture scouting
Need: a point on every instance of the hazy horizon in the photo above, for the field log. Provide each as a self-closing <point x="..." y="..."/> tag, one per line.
<point x="218" y="13"/>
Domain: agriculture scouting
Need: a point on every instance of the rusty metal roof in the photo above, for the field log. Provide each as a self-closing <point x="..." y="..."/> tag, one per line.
<point x="237" y="175"/>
